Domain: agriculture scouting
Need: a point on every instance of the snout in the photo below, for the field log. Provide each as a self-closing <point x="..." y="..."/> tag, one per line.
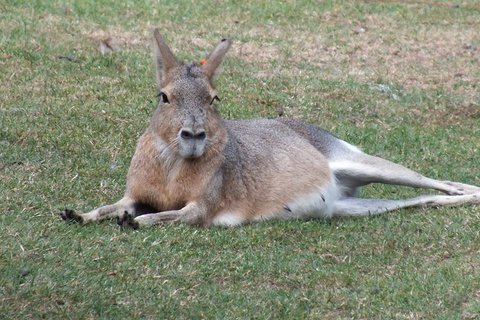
<point x="192" y="143"/>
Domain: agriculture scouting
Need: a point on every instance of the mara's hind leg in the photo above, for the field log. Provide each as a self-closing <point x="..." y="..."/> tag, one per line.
<point x="118" y="209"/>
<point x="365" y="207"/>
<point x="361" y="169"/>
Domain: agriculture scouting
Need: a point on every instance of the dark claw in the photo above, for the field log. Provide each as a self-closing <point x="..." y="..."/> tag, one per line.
<point x="127" y="220"/>
<point x="70" y="215"/>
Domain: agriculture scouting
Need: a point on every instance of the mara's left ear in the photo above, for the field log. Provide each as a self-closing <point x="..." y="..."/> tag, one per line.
<point x="215" y="58"/>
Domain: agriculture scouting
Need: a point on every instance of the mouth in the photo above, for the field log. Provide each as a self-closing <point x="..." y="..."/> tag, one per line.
<point x="191" y="150"/>
<point x="191" y="157"/>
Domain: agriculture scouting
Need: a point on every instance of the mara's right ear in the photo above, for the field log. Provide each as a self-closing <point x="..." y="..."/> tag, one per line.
<point x="164" y="59"/>
<point x="215" y="58"/>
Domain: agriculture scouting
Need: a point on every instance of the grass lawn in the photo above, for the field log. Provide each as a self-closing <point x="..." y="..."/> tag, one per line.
<point x="399" y="79"/>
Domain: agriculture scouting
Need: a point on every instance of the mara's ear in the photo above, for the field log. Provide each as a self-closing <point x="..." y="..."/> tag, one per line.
<point x="216" y="57"/>
<point x="164" y="58"/>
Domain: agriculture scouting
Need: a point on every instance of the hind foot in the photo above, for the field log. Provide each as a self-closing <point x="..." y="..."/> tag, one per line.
<point x="462" y="188"/>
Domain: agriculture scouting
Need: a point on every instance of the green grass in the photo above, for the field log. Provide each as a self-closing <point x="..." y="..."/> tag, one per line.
<point x="404" y="87"/>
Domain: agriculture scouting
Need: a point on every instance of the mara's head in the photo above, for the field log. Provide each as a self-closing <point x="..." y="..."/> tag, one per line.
<point x="186" y="119"/>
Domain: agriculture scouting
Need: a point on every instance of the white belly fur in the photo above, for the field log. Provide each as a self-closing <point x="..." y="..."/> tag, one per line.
<point x="228" y="219"/>
<point x="318" y="204"/>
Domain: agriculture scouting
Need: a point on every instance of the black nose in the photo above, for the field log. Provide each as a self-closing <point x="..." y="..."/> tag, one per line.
<point x="189" y="135"/>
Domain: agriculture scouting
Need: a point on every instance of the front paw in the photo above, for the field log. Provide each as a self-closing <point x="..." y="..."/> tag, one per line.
<point x="128" y="221"/>
<point x="70" y="215"/>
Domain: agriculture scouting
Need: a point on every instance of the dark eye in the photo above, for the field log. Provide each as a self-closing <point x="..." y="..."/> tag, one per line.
<point x="215" y="98"/>
<point x="163" y="97"/>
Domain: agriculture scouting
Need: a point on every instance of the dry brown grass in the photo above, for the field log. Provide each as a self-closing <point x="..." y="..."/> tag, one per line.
<point x="377" y="47"/>
<point x="431" y="56"/>
<point x="384" y="48"/>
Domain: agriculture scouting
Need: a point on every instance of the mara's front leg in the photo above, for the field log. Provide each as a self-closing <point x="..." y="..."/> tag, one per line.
<point x="118" y="209"/>
<point x="193" y="214"/>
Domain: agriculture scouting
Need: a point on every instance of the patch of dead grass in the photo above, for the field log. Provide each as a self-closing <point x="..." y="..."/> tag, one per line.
<point x="375" y="48"/>
<point x="447" y="117"/>
<point x="427" y="57"/>
<point x="252" y="52"/>
<point x="113" y="38"/>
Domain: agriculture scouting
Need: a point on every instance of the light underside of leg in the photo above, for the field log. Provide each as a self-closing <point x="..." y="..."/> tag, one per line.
<point x="363" y="207"/>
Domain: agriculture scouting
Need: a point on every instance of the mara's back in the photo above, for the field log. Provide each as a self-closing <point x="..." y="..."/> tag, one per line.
<point x="330" y="146"/>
